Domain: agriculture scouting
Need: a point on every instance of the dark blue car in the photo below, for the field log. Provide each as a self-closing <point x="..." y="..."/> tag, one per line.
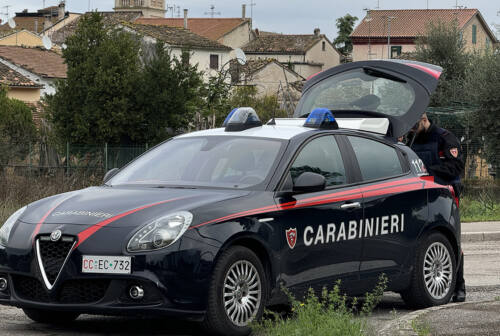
<point x="209" y="225"/>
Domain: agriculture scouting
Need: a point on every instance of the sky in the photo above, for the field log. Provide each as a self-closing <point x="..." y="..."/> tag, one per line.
<point x="296" y="17"/>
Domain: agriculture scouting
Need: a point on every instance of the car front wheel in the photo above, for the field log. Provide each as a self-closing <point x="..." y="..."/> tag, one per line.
<point x="50" y="317"/>
<point x="237" y="292"/>
<point x="434" y="273"/>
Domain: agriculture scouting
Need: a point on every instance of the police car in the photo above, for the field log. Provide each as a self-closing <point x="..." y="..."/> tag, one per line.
<point x="209" y="225"/>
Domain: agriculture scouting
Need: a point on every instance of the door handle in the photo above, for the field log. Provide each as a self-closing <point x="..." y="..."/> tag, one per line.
<point x="355" y="205"/>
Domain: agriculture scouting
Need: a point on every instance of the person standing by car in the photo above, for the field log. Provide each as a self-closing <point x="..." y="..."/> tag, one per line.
<point x="440" y="151"/>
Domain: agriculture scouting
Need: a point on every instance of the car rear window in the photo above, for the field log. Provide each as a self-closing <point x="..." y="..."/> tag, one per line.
<point x="358" y="90"/>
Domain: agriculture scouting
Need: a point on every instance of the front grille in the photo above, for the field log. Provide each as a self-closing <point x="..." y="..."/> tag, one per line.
<point x="83" y="291"/>
<point x="30" y="289"/>
<point x="72" y="291"/>
<point x="53" y="254"/>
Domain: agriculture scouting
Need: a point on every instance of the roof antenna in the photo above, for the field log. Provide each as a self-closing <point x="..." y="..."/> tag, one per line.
<point x="273" y="121"/>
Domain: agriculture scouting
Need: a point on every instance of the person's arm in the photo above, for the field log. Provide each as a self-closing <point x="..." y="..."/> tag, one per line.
<point x="452" y="163"/>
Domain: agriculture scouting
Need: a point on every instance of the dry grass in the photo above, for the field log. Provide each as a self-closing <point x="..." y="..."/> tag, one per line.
<point x="17" y="190"/>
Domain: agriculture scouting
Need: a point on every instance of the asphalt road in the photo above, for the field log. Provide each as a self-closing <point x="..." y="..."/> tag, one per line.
<point x="482" y="272"/>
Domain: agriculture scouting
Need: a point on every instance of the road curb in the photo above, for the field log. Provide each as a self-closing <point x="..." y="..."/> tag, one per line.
<point x="402" y="326"/>
<point x="480" y="236"/>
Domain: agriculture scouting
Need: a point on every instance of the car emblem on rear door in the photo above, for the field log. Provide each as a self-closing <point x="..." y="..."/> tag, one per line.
<point x="55" y="235"/>
<point x="291" y="237"/>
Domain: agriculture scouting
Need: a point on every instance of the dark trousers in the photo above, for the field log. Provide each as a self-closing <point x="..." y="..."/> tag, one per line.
<point x="460" y="274"/>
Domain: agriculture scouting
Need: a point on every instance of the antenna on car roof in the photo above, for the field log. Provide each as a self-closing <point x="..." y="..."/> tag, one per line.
<point x="273" y="121"/>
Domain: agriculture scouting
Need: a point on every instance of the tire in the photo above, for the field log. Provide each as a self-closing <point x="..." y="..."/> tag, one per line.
<point x="234" y="289"/>
<point x="51" y="317"/>
<point x="437" y="253"/>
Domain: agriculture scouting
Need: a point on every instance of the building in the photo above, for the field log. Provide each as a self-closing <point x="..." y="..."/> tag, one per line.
<point x="149" y="8"/>
<point x="18" y="86"/>
<point x="231" y="32"/>
<point x="209" y="56"/>
<point x="43" y="67"/>
<point x="23" y="38"/>
<point x="59" y="33"/>
<point x="370" y="38"/>
<point x="38" y="21"/>
<point x="304" y="54"/>
<point x="269" y="78"/>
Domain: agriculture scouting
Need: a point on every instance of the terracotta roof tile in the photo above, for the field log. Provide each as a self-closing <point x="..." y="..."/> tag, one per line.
<point x="409" y="22"/>
<point x="282" y="44"/>
<point x="13" y="78"/>
<point x="109" y="18"/>
<point x="174" y="36"/>
<point x="210" y="28"/>
<point x="42" y="62"/>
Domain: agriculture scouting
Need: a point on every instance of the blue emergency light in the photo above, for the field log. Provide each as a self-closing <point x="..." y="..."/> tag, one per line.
<point x="240" y="119"/>
<point x="321" y="118"/>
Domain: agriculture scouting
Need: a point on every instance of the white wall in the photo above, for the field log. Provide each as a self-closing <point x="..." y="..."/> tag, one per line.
<point x="238" y="37"/>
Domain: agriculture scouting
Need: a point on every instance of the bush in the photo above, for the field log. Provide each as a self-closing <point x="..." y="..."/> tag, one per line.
<point x="330" y="314"/>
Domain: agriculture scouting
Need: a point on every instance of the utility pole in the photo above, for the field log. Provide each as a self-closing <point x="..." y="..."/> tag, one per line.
<point x="389" y="18"/>
<point x="212" y="12"/>
<point x="369" y="19"/>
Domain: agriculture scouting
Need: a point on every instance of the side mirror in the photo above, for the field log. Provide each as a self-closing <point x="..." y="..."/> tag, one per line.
<point x="110" y="174"/>
<point x="309" y="182"/>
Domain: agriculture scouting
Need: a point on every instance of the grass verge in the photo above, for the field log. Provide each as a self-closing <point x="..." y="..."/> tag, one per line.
<point x="330" y="313"/>
<point x="478" y="210"/>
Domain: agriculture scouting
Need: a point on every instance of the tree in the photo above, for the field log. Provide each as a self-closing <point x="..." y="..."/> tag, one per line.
<point x="169" y="94"/>
<point x="345" y="26"/>
<point x="482" y="88"/>
<point x="443" y="45"/>
<point x="266" y="107"/>
<point x="96" y="103"/>
<point x="16" y="128"/>
<point x="120" y="89"/>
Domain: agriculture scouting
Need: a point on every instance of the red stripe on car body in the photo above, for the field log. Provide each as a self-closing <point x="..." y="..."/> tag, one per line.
<point x="434" y="73"/>
<point x="385" y="188"/>
<point x="87" y="233"/>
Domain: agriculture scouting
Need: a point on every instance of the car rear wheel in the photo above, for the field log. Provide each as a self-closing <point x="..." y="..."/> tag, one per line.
<point x="237" y="292"/>
<point x="50" y="317"/>
<point x="434" y="273"/>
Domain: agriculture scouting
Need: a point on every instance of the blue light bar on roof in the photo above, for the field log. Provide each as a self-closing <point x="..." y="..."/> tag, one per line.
<point x="240" y="119"/>
<point x="321" y="118"/>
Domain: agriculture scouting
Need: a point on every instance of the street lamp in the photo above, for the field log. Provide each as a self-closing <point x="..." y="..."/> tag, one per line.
<point x="389" y="18"/>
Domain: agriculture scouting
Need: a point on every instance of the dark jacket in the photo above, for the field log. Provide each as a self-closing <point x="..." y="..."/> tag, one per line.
<point x="441" y="153"/>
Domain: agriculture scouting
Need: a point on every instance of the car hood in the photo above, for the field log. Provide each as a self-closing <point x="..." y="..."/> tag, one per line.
<point x="120" y="206"/>
<point x="422" y="78"/>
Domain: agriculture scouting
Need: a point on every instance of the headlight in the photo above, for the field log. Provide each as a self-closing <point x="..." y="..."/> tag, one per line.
<point x="160" y="233"/>
<point x="7" y="227"/>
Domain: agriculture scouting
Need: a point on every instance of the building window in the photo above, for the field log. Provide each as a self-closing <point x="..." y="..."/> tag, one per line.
<point x="214" y="62"/>
<point x="487" y="42"/>
<point x="185" y="57"/>
<point x="323" y="46"/>
<point x="395" y="51"/>
<point x="474" y="34"/>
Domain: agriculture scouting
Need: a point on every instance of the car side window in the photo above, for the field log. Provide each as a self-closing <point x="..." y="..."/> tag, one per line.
<point x="321" y="156"/>
<point x="376" y="160"/>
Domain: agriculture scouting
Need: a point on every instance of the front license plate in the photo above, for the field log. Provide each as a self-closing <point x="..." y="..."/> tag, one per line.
<point x="106" y="264"/>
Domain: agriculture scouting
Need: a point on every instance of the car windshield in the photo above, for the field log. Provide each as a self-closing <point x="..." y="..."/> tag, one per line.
<point x="214" y="161"/>
<point x="360" y="90"/>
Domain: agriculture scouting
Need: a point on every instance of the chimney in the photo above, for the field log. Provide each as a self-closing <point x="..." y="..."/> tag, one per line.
<point x="62" y="10"/>
<point x="317" y="31"/>
<point x="243" y="11"/>
<point x="185" y="19"/>
<point x="47" y="23"/>
<point x="36" y="26"/>
<point x="257" y="32"/>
